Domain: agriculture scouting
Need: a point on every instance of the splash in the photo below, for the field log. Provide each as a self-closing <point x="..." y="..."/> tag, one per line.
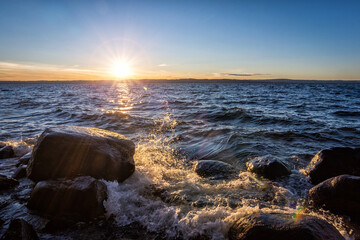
<point x="21" y="146"/>
<point x="167" y="197"/>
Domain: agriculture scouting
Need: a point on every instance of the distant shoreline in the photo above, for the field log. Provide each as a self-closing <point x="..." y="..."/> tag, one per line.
<point x="190" y="80"/>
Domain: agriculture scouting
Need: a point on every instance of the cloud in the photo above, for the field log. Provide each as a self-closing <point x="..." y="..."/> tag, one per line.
<point x="38" y="71"/>
<point x="244" y="74"/>
<point x="217" y="74"/>
<point x="163" y="65"/>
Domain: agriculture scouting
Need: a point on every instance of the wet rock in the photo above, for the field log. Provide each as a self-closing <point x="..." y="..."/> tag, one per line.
<point x="281" y="226"/>
<point x="20" y="172"/>
<point x="67" y="152"/>
<point x="6" y="152"/>
<point x="7" y="183"/>
<point x="339" y="194"/>
<point x="214" y="169"/>
<point x="333" y="162"/>
<point x="79" y="198"/>
<point x="19" y="229"/>
<point x="24" y="160"/>
<point x="268" y="167"/>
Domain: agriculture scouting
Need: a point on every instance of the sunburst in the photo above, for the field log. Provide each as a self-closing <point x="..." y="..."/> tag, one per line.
<point x="121" y="69"/>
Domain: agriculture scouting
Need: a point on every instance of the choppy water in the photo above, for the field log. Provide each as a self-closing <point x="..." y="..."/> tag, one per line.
<point x="176" y="124"/>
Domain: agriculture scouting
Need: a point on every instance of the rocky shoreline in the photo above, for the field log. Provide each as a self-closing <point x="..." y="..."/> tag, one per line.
<point x="67" y="164"/>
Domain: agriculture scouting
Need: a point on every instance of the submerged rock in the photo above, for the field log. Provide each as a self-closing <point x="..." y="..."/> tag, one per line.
<point x="6" y="152"/>
<point x="67" y="152"/>
<point x="79" y="198"/>
<point x="333" y="162"/>
<point x="7" y="183"/>
<point x="215" y="169"/>
<point x="260" y="226"/>
<point x="19" y="229"/>
<point x="20" y="172"/>
<point x="268" y="167"/>
<point x="339" y="194"/>
<point x="24" y="160"/>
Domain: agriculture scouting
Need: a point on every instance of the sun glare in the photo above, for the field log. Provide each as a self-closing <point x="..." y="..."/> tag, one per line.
<point x="121" y="70"/>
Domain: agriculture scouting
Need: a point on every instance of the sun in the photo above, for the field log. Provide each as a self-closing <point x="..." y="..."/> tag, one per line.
<point x="121" y="69"/>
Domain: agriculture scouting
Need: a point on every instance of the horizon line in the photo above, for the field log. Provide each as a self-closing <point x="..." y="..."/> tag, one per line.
<point x="179" y="80"/>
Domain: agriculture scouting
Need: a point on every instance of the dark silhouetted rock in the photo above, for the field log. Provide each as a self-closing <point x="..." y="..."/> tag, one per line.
<point x="333" y="162"/>
<point x="20" y="172"/>
<point x="24" y="160"/>
<point x="339" y="194"/>
<point x="214" y="169"/>
<point x="68" y="152"/>
<point x="79" y="198"/>
<point x="6" y="152"/>
<point x="261" y="226"/>
<point x="7" y="183"/>
<point x="19" y="229"/>
<point x="268" y="167"/>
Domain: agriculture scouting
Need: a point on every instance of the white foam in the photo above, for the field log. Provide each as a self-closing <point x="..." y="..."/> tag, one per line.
<point x="22" y="146"/>
<point x="198" y="206"/>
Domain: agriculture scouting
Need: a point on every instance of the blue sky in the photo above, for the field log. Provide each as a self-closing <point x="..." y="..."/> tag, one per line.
<point x="173" y="39"/>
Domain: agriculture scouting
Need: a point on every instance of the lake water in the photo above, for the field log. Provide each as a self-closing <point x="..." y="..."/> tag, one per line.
<point x="175" y="124"/>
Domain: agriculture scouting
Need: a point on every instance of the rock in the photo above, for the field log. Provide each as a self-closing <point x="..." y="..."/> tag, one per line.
<point x="281" y="226"/>
<point x="268" y="167"/>
<point x="68" y="152"/>
<point x="20" y="172"/>
<point x="333" y="162"/>
<point x="24" y="160"/>
<point x="6" y="152"/>
<point x="339" y="194"/>
<point x="19" y="229"/>
<point x="79" y="198"/>
<point x="7" y="183"/>
<point x="214" y="169"/>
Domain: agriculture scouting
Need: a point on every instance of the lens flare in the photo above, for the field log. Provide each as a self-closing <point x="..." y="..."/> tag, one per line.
<point x="298" y="214"/>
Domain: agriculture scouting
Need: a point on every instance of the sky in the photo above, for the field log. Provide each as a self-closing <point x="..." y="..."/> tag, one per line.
<point x="243" y="39"/>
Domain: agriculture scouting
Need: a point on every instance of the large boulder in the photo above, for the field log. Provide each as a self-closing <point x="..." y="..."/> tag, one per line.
<point x="7" y="183"/>
<point x="6" y="152"/>
<point x="67" y="152"/>
<point x="333" y="162"/>
<point x="19" y="229"/>
<point x="261" y="226"/>
<point x="268" y="167"/>
<point x="214" y="169"/>
<point x="339" y="194"/>
<point x="79" y="198"/>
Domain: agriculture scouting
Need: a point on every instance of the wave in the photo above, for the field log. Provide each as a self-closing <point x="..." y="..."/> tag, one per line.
<point x="225" y="114"/>
<point x="347" y="113"/>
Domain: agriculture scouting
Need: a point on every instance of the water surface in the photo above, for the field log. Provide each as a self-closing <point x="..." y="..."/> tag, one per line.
<point x="175" y="124"/>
